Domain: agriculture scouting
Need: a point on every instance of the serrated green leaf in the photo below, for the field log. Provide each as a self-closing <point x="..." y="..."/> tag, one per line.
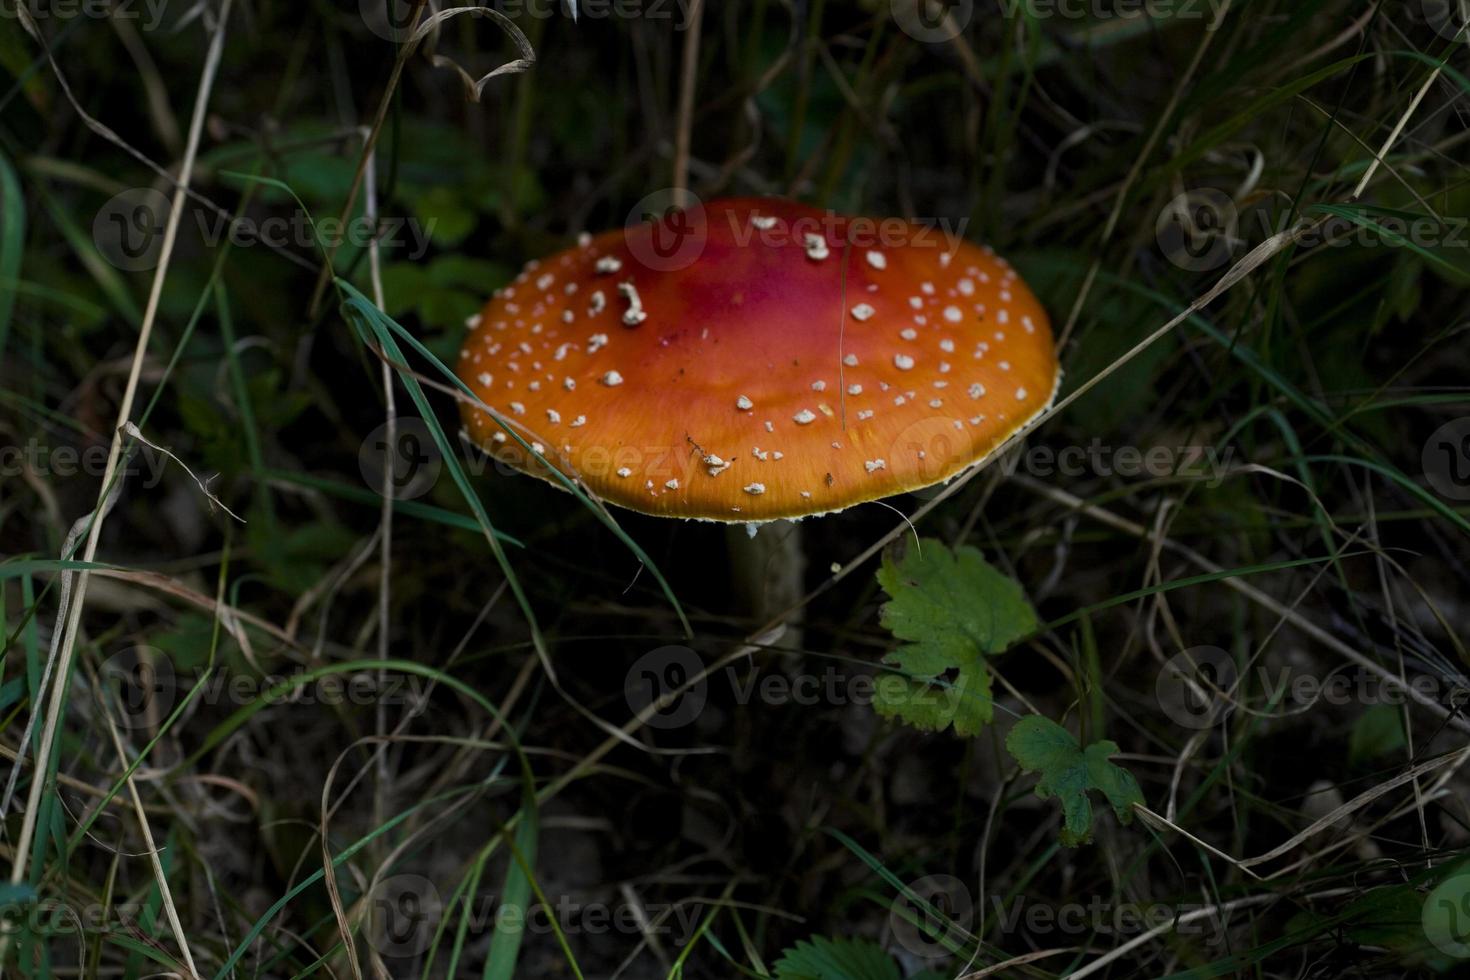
<point x="820" y="958"/>
<point x="1068" y="772"/>
<point x="955" y="609"/>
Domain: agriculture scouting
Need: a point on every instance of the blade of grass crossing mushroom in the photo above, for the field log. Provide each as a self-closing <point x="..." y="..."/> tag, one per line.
<point x="368" y="315"/>
<point x="12" y="243"/>
<point x="361" y="303"/>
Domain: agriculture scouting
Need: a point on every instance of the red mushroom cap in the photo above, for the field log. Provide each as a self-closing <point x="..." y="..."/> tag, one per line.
<point x="756" y="359"/>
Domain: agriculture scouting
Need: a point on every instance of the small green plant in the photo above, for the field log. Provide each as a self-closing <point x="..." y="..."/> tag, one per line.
<point x="956" y="610"/>
<point x="820" y="958"/>
<point x="1068" y="772"/>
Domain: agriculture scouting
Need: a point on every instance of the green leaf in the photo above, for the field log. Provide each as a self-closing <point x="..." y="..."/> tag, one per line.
<point x="1068" y="772"/>
<point x="510" y="925"/>
<point x="955" y="609"/>
<point x="1378" y="731"/>
<point x="12" y="242"/>
<point x="820" y="958"/>
<point x="446" y="216"/>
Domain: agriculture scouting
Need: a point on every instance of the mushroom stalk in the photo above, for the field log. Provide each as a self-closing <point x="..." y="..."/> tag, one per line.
<point x="768" y="572"/>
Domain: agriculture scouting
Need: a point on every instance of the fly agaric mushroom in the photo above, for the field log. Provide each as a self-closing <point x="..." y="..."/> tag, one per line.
<point x="800" y="363"/>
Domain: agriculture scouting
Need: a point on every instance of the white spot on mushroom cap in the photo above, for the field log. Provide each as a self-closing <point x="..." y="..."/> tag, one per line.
<point x="816" y="247"/>
<point x="903" y="362"/>
<point x="624" y="472"/>
<point x="607" y="265"/>
<point x="634" y="314"/>
<point x="804" y="417"/>
<point x="672" y="484"/>
<point x="863" y="312"/>
<point x="612" y="379"/>
<point x="874" y="465"/>
<point x="744" y="404"/>
<point x="755" y="489"/>
<point x="851" y="360"/>
<point x="877" y="260"/>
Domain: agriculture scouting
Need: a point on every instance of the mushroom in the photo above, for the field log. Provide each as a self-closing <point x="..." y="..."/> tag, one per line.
<point x="785" y="362"/>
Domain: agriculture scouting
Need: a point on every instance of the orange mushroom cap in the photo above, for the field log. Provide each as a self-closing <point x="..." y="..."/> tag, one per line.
<point x="755" y="359"/>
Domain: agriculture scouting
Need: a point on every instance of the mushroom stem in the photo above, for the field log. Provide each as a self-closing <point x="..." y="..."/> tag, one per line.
<point x="768" y="571"/>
